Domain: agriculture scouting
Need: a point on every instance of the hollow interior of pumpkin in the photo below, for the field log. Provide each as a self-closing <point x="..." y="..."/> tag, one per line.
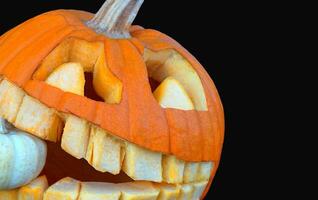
<point x="60" y="164"/>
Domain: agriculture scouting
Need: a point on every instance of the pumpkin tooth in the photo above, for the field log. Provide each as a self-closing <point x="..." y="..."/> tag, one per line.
<point x="65" y="189"/>
<point x="104" y="152"/>
<point x="190" y="172"/>
<point x="167" y="191"/>
<point x="39" y="120"/>
<point x="75" y="136"/>
<point x="10" y="100"/>
<point x="34" y="190"/>
<point x="198" y="189"/>
<point x="70" y="77"/>
<point x="186" y="191"/>
<point x="76" y="131"/>
<point x="172" y="169"/>
<point x="140" y="190"/>
<point x="9" y="194"/>
<point x="204" y="171"/>
<point x="98" y="191"/>
<point x="142" y="164"/>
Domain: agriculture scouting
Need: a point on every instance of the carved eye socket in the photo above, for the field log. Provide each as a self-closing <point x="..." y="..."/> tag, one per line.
<point x="71" y="77"/>
<point x="174" y="81"/>
<point x="79" y="67"/>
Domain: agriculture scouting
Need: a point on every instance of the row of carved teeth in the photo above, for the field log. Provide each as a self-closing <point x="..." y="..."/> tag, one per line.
<point x="71" y="189"/>
<point x="104" y="152"/>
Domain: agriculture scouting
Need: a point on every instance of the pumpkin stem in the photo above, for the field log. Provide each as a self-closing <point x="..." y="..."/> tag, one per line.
<point x="115" y="17"/>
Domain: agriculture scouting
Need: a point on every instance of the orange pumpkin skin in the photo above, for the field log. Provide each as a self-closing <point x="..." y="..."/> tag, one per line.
<point x="189" y="135"/>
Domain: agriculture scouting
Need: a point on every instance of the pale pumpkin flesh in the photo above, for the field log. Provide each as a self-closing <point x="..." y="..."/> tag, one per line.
<point x="88" y="153"/>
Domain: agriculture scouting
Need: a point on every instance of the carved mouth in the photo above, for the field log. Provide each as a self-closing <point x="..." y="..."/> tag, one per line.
<point x="109" y="165"/>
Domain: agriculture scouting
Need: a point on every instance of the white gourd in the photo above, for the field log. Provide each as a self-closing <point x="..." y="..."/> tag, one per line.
<point x="22" y="156"/>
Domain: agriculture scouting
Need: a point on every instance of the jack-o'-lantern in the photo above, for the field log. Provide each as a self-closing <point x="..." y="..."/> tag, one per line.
<point x="94" y="108"/>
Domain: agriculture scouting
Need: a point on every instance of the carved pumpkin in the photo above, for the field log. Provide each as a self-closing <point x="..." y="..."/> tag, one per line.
<point x="126" y="112"/>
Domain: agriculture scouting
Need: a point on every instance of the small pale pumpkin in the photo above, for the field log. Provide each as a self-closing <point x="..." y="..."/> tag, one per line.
<point x="22" y="157"/>
<point x="128" y="105"/>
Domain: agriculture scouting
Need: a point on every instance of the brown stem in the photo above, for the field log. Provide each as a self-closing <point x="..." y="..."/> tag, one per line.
<point x="115" y="17"/>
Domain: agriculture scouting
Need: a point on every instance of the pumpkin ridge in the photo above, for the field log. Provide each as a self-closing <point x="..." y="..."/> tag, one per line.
<point x="187" y="130"/>
<point x="141" y="135"/>
<point x="67" y="20"/>
<point x="25" y="73"/>
<point x="13" y="30"/>
<point x="128" y="106"/>
<point x="202" y="147"/>
<point x="79" y="18"/>
<point x="151" y="34"/>
<point x="137" y="44"/>
<point x="114" y="61"/>
<point x="177" y="129"/>
<point x="14" y="158"/>
<point x="27" y="25"/>
<point x="207" y="134"/>
<point x="110" y="49"/>
<point x="219" y="135"/>
<point x="216" y="107"/>
<point x="43" y="96"/>
<point x="12" y="55"/>
<point x="5" y="36"/>
<point x="84" y="33"/>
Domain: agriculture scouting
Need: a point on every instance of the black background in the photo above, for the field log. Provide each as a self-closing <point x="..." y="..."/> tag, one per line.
<point x="217" y="34"/>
